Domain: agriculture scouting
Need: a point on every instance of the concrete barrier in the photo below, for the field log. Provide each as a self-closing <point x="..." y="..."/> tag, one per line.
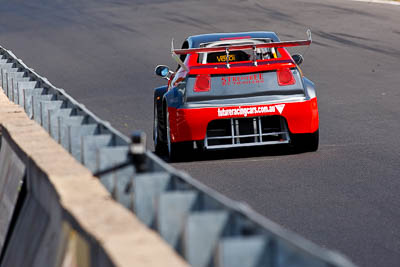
<point x="12" y="171"/>
<point x="65" y="217"/>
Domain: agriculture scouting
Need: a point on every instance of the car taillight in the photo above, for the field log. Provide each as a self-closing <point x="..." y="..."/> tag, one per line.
<point x="203" y="83"/>
<point x="285" y="77"/>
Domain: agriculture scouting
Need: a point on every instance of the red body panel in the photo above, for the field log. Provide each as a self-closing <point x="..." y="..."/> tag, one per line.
<point x="191" y="124"/>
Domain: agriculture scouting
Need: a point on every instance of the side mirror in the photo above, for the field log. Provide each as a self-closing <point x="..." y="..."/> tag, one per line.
<point x="163" y="71"/>
<point x="298" y="59"/>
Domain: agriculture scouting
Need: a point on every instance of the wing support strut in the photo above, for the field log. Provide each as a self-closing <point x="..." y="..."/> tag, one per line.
<point x="227" y="58"/>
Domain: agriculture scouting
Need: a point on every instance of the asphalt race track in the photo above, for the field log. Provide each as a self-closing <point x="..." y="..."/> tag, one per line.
<point x="345" y="197"/>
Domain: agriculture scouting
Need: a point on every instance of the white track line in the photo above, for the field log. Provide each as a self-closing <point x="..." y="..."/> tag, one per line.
<point x="380" y="2"/>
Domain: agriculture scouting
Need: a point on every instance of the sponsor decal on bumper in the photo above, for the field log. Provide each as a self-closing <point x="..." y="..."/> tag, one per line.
<point x="260" y="110"/>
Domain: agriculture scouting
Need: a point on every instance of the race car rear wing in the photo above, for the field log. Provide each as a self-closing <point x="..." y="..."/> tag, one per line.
<point x="228" y="48"/>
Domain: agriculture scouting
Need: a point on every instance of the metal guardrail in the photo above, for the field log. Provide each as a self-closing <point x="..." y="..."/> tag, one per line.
<point x="205" y="227"/>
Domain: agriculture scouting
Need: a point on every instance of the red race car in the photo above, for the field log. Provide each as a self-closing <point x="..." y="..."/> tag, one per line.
<point x="234" y="90"/>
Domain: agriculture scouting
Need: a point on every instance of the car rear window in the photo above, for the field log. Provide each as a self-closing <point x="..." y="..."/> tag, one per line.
<point x="237" y="56"/>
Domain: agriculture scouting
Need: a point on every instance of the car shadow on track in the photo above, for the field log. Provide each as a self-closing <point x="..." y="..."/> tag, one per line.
<point x="234" y="153"/>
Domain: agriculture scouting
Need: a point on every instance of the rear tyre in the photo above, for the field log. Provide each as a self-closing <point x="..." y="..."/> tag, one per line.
<point x="180" y="151"/>
<point x="305" y="142"/>
<point x="160" y="147"/>
<point x="177" y="151"/>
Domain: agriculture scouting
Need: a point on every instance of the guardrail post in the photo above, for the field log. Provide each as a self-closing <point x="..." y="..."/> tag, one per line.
<point x="27" y="95"/>
<point x="45" y="106"/>
<point x="63" y="124"/>
<point x="20" y="90"/>
<point x="53" y="115"/>
<point x="36" y="106"/>
<point x="75" y="133"/>
<point x="3" y="75"/>
<point x="89" y="147"/>
<point x="170" y="222"/>
<point x="201" y="235"/>
<point x="244" y="251"/>
<point x="118" y="180"/>
<point x="11" y="76"/>
<point x="16" y="84"/>
<point x="147" y="188"/>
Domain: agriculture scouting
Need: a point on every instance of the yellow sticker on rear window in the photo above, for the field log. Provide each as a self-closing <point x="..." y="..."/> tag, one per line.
<point x="222" y="58"/>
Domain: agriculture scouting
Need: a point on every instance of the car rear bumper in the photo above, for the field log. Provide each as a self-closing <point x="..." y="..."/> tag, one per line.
<point x="190" y="124"/>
